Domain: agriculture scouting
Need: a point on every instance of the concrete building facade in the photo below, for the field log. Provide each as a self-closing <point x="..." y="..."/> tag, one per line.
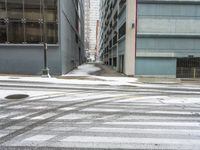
<point x="21" y="38"/>
<point x="151" y="37"/>
<point x="87" y="27"/>
<point x="117" y="35"/>
<point x="91" y="17"/>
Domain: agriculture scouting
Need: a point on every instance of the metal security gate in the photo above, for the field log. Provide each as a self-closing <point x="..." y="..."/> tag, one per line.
<point x="188" y="68"/>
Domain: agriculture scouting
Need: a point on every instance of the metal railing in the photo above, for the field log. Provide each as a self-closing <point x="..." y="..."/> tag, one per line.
<point x="186" y="72"/>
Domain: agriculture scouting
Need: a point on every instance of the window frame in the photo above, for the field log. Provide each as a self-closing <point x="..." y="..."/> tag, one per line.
<point x="25" y="22"/>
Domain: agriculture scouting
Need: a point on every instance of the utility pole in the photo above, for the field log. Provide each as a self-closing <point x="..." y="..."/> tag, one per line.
<point x="45" y="70"/>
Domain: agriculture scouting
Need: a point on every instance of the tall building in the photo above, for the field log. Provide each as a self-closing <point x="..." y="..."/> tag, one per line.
<point x="117" y="35"/>
<point x="87" y="27"/>
<point x="21" y="35"/>
<point x="151" y="37"/>
<point x="91" y="17"/>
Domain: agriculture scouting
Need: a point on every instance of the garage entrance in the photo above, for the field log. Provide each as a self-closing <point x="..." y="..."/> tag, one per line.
<point x="188" y="68"/>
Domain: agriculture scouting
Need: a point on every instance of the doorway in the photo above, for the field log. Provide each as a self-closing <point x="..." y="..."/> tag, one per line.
<point x="121" y="63"/>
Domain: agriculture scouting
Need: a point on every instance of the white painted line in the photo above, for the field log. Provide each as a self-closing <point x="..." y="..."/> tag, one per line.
<point x="172" y="112"/>
<point x="4" y="116"/>
<point x="17" y="107"/>
<point x="125" y="140"/>
<point x="39" y="138"/>
<point x="74" y="116"/>
<point x="102" y="110"/>
<point x="146" y="131"/>
<point x="67" y="108"/>
<point x="8" y="114"/>
<point x="147" y="98"/>
<point x="45" y="116"/>
<point x="39" y="107"/>
<point x="20" y="117"/>
<point x="149" y="118"/>
<point x="183" y="124"/>
<point x="63" y="128"/>
<point x="1" y="135"/>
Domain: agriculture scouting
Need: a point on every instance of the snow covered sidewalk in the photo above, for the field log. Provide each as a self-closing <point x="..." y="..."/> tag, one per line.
<point x="84" y="70"/>
<point x="88" y="69"/>
<point x="82" y="76"/>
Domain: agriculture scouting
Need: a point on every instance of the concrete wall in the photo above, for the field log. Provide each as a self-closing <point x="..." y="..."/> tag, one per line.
<point x="168" y="47"/>
<point x="69" y="46"/>
<point x="156" y="67"/>
<point x="170" y="27"/>
<point x="28" y="59"/>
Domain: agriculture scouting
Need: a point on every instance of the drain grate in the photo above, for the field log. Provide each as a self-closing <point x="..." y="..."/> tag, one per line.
<point x="17" y="96"/>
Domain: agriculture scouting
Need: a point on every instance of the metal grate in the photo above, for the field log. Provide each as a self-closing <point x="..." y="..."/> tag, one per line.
<point x="17" y="96"/>
<point x="188" y="68"/>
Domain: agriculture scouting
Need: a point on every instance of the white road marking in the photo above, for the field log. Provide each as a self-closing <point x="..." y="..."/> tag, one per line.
<point x="40" y="138"/>
<point x="183" y="124"/>
<point x="125" y="140"/>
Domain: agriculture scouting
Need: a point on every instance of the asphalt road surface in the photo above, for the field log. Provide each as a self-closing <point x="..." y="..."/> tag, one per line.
<point x="63" y="116"/>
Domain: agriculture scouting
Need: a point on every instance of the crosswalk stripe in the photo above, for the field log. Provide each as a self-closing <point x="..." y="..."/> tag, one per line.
<point x="147" y="131"/>
<point x="194" y="124"/>
<point x="98" y="139"/>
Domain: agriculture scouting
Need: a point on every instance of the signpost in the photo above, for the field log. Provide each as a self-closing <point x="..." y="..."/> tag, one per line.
<point x="45" y="71"/>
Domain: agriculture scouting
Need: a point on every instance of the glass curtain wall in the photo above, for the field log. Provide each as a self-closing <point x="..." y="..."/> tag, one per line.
<point x="51" y="21"/>
<point x="21" y="21"/>
<point x="3" y="27"/>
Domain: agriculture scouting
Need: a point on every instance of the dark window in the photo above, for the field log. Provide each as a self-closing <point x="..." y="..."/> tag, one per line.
<point x="77" y="22"/>
<point x="16" y="32"/>
<point x="33" y="32"/>
<point x="122" y="30"/>
<point x="110" y="43"/>
<point x="76" y="38"/>
<point x="2" y="9"/>
<point x="115" y="39"/>
<point x="15" y="10"/>
<point x="51" y="21"/>
<point x="115" y="16"/>
<point x="122" y="3"/>
<point x="3" y="36"/>
<point x="52" y="33"/>
<point x="32" y="10"/>
<point x="115" y="61"/>
<point x="51" y="10"/>
<point x="33" y="16"/>
<point x="110" y="61"/>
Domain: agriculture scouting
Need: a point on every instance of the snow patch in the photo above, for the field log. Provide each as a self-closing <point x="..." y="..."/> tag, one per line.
<point x="84" y="70"/>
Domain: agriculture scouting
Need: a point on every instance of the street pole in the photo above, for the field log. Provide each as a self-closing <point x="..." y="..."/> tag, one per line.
<point x="45" y="70"/>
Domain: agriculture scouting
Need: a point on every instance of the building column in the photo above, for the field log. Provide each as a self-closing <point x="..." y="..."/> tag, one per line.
<point x="130" y="49"/>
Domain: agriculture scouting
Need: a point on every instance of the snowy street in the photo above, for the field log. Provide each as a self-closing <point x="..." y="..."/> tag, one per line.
<point x="91" y="108"/>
